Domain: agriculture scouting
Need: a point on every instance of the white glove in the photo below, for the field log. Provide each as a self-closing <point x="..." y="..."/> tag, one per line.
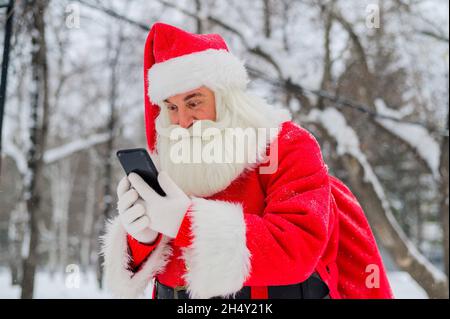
<point x="132" y="213"/>
<point x="166" y="212"/>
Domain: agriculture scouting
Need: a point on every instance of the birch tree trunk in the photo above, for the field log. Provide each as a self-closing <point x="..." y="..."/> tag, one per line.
<point x="38" y="136"/>
<point x="62" y="182"/>
<point x="89" y="211"/>
<point x="16" y="230"/>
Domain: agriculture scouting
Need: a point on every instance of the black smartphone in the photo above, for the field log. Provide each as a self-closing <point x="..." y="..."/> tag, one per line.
<point x="137" y="160"/>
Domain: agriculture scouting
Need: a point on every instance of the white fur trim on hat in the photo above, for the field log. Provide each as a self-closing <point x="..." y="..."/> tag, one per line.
<point x="119" y="279"/>
<point x="216" y="69"/>
<point x="218" y="260"/>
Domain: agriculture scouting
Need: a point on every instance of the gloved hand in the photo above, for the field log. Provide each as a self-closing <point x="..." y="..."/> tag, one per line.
<point x="166" y="212"/>
<point x="132" y="213"/>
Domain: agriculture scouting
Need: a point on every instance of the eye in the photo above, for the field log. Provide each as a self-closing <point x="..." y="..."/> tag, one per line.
<point x="172" y="107"/>
<point x="193" y="104"/>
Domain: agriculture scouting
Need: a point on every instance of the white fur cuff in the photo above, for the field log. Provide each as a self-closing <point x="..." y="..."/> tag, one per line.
<point x="118" y="278"/>
<point x="218" y="260"/>
<point x="216" y="69"/>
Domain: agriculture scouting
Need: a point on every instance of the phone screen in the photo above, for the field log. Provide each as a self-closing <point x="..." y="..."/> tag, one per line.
<point x="138" y="161"/>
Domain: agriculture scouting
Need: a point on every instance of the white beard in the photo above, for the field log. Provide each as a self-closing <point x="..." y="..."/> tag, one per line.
<point x="203" y="179"/>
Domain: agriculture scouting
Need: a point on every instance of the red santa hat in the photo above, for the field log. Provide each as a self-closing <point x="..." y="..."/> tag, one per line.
<point x="176" y="61"/>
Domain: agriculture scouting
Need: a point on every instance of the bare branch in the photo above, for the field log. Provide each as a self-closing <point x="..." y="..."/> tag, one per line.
<point x="114" y="14"/>
<point x="66" y="150"/>
<point x="434" y="35"/>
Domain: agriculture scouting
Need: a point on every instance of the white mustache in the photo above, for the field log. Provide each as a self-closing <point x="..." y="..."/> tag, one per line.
<point x="203" y="129"/>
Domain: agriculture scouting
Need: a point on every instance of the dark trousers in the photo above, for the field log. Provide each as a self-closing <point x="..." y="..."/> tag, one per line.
<point x="312" y="288"/>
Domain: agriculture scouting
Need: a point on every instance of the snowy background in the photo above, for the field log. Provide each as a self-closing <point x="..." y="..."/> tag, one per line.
<point x="368" y="78"/>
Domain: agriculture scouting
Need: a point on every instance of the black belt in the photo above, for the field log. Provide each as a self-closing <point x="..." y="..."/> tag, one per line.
<point x="312" y="288"/>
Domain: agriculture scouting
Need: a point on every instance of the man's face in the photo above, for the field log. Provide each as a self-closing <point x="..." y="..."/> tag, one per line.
<point x="185" y="108"/>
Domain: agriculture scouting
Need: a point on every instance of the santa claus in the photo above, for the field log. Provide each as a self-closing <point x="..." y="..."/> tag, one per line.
<point x="271" y="223"/>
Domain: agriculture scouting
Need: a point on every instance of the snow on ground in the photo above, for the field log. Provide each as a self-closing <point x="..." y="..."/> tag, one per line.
<point x="48" y="287"/>
<point x="403" y="285"/>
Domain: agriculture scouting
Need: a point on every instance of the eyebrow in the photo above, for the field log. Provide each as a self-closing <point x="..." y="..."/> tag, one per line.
<point x="188" y="97"/>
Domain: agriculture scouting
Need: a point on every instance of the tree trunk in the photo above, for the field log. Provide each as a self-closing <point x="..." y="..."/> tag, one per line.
<point x="267" y="17"/>
<point x="89" y="212"/>
<point x="443" y="167"/>
<point x="389" y="232"/>
<point x="198" y="20"/>
<point x="38" y="134"/>
<point x="285" y="4"/>
<point x="62" y="181"/>
<point x="16" y="230"/>
<point x="419" y="223"/>
<point x="327" y="64"/>
<point x="109" y="149"/>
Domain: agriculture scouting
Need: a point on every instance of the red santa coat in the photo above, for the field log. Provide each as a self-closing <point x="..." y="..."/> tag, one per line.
<point x="262" y="230"/>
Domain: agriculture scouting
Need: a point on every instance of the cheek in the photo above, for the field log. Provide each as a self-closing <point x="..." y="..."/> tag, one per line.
<point x="209" y="112"/>
<point x="206" y="114"/>
<point x="212" y="111"/>
<point x="173" y="117"/>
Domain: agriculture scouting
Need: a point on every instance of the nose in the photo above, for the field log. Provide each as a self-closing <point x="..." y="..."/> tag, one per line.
<point x="185" y="118"/>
